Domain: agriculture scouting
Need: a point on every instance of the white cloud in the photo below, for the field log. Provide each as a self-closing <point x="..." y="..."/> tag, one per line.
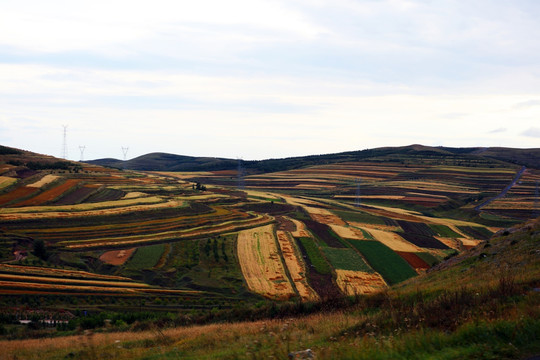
<point x="249" y="77"/>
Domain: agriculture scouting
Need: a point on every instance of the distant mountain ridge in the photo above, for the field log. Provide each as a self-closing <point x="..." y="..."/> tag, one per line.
<point x="172" y="162"/>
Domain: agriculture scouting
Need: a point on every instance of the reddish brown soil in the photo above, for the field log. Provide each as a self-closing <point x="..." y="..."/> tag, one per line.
<point x="116" y="257"/>
<point x="414" y="260"/>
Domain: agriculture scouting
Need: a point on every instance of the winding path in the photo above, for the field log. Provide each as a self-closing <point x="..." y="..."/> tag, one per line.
<point x="504" y="191"/>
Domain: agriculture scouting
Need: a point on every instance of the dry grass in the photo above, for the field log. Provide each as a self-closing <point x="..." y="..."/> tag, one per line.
<point x="261" y="263"/>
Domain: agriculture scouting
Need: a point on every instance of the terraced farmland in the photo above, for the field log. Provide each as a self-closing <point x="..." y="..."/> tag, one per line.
<point x="304" y="234"/>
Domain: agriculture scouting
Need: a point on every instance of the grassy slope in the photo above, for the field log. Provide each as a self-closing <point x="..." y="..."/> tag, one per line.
<point x="481" y="304"/>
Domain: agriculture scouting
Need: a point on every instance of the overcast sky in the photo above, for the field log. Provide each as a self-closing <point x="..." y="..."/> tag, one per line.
<point x="266" y="79"/>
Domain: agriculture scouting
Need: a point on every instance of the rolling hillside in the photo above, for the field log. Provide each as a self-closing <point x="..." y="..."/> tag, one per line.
<point x="206" y="245"/>
<point x="170" y="162"/>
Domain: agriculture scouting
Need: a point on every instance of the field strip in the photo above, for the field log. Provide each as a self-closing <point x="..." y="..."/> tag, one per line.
<point x="47" y="179"/>
<point x="56" y="287"/>
<point x="29" y="278"/>
<point x="6" y="181"/>
<point x="393" y="241"/>
<point x="262" y="194"/>
<point x="110" y="209"/>
<point x="296" y="267"/>
<point x="228" y="226"/>
<point x="83" y="207"/>
<point x="57" y="272"/>
<point x="347" y="232"/>
<point x="134" y="195"/>
<point x="384" y="197"/>
<point x="470" y="242"/>
<point x="155" y="223"/>
<point x="261" y="264"/>
<point x="451" y="243"/>
<point x="359" y="282"/>
<point x="301" y="230"/>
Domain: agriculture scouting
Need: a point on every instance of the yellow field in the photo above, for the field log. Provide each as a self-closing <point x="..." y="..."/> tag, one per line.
<point x="38" y="270"/>
<point x="43" y="279"/>
<point x="451" y="243"/>
<point x="347" y="232"/>
<point x="134" y="195"/>
<point x="296" y="267"/>
<point x="359" y="282"/>
<point x="301" y="230"/>
<point x="102" y="208"/>
<point x="206" y="230"/>
<point x="470" y="242"/>
<point x="6" y="181"/>
<point x="47" y="179"/>
<point x="393" y="241"/>
<point x="261" y="264"/>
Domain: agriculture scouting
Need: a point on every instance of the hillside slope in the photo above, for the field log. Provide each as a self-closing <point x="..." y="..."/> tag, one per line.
<point x="484" y="304"/>
<point x="171" y="162"/>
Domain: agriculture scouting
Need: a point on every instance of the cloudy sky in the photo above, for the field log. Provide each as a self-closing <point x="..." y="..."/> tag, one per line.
<point x="260" y="79"/>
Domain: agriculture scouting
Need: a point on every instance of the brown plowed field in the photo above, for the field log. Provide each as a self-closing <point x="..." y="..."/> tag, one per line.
<point x="414" y="260"/>
<point x="117" y="257"/>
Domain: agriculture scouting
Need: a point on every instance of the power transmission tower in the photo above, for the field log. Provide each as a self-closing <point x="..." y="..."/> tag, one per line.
<point x="241" y="184"/>
<point x="81" y="148"/>
<point x="64" y="144"/>
<point x="125" y="151"/>
<point x="357" y="200"/>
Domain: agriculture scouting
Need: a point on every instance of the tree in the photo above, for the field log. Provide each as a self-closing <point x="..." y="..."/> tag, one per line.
<point x="40" y="250"/>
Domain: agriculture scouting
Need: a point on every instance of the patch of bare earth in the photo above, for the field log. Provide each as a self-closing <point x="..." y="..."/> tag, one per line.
<point x="117" y="257"/>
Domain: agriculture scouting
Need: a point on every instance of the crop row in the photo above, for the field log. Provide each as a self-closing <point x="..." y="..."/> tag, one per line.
<point x="50" y="194"/>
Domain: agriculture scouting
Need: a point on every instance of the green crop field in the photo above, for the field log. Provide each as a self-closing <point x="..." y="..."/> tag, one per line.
<point x="444" y="231"/>
<point x="359" y="216"/>
<point x="145" y="257"/>
<point x="315" y="256"/>
<point x="346" y="259"/>
<point x="385" y="261"/>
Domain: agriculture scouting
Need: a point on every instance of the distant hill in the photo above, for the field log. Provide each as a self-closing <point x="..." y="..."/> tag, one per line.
<point x="171" y="162"/>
